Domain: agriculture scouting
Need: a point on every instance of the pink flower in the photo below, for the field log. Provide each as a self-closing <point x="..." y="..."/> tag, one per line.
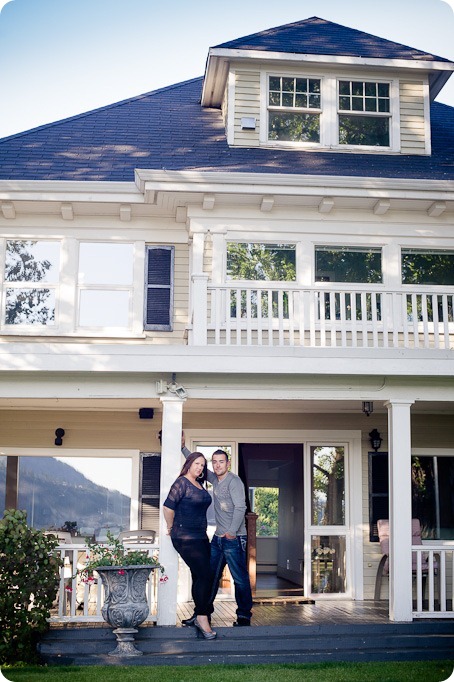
<point x="68" y="588"/>
<point x="163" y="579"/>
<point x="121" y="571"/>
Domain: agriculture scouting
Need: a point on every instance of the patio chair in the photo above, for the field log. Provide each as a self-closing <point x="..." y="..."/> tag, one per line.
<point x="383" y="566"/>
<point x="137" y="537"/>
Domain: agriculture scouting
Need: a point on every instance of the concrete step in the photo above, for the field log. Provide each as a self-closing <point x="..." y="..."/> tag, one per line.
<point x="179" y="646"/>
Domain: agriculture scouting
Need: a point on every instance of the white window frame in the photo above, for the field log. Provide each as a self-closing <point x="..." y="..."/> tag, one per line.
<point x="55" y="287"/>
<point x="132" y="454"/>
<point x="329" y="113"/>
<point x="67" y="292"/>
<point x="393" y="93"/>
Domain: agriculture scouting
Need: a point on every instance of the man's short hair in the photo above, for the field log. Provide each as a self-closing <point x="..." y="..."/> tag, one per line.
<point x="221" y="452"/>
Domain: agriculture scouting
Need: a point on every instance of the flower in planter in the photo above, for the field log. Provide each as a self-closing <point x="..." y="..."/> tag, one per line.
<point x="114" y="553"/>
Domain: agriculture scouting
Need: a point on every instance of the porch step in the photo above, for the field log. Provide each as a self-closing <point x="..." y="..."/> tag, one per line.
<point x="276" y="644"/>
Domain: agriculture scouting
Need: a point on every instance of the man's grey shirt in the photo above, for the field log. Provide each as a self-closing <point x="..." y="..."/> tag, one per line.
<point x="229" y="502"/>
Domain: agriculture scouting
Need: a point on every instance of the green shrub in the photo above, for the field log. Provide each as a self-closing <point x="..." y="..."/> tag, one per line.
<point x="29" y="581"/>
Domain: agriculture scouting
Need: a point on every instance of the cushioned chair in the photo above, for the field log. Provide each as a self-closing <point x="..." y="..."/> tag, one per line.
<point x="141" y="537"/>
<point x="383" y="566"/>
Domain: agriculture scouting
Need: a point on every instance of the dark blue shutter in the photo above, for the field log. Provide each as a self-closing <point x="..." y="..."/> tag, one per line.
<point x="378" y="491"/>
<point x="159" y="288"/>
<point x="149" y="498"/>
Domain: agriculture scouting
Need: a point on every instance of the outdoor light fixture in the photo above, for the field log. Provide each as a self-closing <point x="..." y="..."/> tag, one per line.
<point x="59" y="433"/>
<point x="173" y="387"/>
<point x="368" y="407"/>
<point x="375" y="439"/>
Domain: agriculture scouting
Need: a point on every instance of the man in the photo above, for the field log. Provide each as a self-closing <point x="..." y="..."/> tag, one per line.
<point x="228" y="545"/>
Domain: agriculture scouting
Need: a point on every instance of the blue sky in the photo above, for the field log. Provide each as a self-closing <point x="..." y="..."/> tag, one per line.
<point x="59" y="58"/>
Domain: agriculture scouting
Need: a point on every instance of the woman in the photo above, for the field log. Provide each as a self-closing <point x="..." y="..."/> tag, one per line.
<point x="185" y="514"/>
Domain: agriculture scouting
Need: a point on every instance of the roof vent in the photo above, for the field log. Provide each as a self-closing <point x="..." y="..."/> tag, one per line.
<point x="248" y="123"/>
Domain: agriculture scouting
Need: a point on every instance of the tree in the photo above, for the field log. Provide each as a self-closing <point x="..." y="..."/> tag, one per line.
<point x="29" y="305"/>
<point x="266" y="506"/>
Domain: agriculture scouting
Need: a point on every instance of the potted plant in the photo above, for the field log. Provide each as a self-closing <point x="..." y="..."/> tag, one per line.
<point x="124" y="574"/>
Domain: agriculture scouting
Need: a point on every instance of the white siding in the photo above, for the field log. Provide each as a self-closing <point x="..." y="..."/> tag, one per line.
<point x="412" y="119"/>
<point x="247" y="104"/>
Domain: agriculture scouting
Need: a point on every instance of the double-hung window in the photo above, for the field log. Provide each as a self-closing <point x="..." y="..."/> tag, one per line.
<point x="364" y="113"/>
<point x="31" y="282"/>
<point x="294" y="107"/>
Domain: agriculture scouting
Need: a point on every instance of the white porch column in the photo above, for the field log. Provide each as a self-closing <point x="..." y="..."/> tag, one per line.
<point x="172" y="422"/>
<point x="400" y="565"/>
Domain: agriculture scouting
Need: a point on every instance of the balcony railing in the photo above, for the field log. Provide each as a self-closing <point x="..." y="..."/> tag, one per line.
<point x="256" y="314"/>
<point x="79" y="601"/>
<point x="434" y="587"/>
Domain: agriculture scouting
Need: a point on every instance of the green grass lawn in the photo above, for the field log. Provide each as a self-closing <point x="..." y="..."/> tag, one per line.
<point x="396" y="671"/>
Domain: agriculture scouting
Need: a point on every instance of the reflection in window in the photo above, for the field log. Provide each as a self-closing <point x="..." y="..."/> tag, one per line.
<point x="266" y="262"/>
<point x="105" y="285"/>
<point x="292" y="105"/>
<point x="31" y="261"/>
<point x="328" y="564"/>
<point x="82" y="494"/>
<point x="363" y="127"/>
<point x="265" y="503"/>
<point x="432" y="496"/>
<point x="348" y="264"/>
<point x="328" y="485"/>
<point x="427" y="267"/>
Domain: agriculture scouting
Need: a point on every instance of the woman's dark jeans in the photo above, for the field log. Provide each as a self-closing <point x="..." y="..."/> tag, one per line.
<point x="232" y="553"/>
<point x="196" y="554"/>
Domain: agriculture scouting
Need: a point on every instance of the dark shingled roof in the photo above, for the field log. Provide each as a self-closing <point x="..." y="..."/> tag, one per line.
<point x="318" y="36"/>
<point x="169" y="129"/>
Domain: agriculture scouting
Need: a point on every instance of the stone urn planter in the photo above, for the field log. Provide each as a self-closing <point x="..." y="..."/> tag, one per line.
<point x="125" y="604"/>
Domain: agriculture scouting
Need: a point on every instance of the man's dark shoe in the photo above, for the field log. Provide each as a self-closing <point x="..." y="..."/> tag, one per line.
<point x="241" y="622"/>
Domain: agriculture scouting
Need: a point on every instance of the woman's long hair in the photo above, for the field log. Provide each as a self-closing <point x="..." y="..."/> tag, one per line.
<point x="187" y="465"/>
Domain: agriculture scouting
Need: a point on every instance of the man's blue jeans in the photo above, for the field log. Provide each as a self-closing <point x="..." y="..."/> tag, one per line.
<point x="232" y="553"/>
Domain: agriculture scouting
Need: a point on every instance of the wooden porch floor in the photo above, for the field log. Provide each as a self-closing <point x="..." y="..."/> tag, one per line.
<point x="265" y="614"/>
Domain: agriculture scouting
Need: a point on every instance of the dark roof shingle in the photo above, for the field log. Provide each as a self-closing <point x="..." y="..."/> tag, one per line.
<point x="168" y="129"/>
<point x="322" y="37"/>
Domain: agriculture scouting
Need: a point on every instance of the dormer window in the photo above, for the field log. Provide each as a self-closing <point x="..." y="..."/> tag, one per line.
<point x="364" y="113"/>
<point x="294" y="107"/>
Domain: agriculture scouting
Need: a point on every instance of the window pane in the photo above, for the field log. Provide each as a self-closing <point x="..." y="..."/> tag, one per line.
<point x="383" y="89"/>
<point x="32" y="261"/>
<point x="432" y="498"/>
<point x="106" y="263"/>
<point x="348" y="265"/>
<point x="292" y="92"/>
<point x="301" y="101"/>
<point x="265" y="503"/>
<point x="85" y="495"/>
<point x="328" y="564"/>
<point x="364" y="130"/>
<point x="269" y="262"/>
<point x="357" y="103"/>
<point x="370" y="89"/>
<point x="357" y="88"/>
<point x="427" y="267"/>
<point x="344" y="87"/>
<point x="289" y="127"/>
<point x="30" y="306"/>
<point x="328" y="486"/>
<point x="104" y="309"/>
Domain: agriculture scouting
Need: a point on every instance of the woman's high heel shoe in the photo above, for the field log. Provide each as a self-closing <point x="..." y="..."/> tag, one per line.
<point x="202" y="633"/>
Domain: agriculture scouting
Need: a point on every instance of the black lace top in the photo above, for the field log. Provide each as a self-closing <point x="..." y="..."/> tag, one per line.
<point x="190" y="505"/>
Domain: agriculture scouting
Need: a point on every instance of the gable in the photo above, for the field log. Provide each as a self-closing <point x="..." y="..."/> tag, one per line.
<point x="320" y="37"/>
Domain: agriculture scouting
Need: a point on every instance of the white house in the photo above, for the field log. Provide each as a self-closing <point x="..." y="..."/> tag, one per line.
<point x="264" y="257"/>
